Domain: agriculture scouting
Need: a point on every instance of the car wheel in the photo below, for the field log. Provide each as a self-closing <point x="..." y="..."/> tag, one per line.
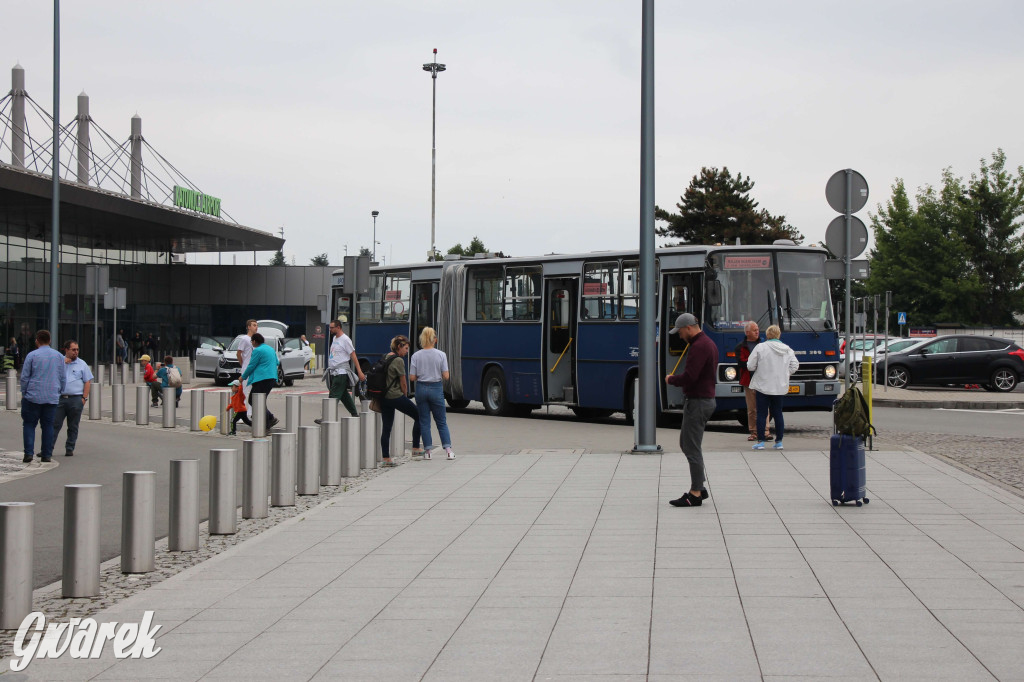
<point x="495" y="395"/>
<point x="280" y="377"/>
<point x="220" y="382"/>
<point x="1004" y="380"/>
<point x="289" y="382"/>
<point x="898" y="376"/>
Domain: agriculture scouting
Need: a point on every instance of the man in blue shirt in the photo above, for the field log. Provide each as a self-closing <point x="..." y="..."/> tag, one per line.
<point x="42" y="383"/>
<point x="78" y="382"/>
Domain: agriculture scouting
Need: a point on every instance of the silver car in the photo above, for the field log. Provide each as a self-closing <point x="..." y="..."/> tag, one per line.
<point x="208" y="355"/>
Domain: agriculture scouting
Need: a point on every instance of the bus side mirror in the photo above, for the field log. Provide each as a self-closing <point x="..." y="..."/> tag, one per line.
<point x="714" y="292"/>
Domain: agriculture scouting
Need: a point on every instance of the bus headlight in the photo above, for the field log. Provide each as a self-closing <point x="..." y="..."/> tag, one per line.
<point x="830" y="371"/>
<point x="730" y="374"/>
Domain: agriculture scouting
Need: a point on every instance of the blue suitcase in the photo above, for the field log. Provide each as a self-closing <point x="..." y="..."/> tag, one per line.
<point x="847" y="470"/>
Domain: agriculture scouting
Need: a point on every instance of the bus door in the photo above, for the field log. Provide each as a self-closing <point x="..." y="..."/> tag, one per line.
<point x="424" y="310"/>
<point x="560" y="340"/>
<point x="682" y="294"/>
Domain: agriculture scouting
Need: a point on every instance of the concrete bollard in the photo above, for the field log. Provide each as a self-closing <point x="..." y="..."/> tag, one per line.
<point x="117" y="403"/>
<point x="196" y="408"/>
<point x="96" y="402"/>
<point x="364" y="406"/>
<point x="351" y="445"/>
<point x="183" y="527"/>
<point x="223" y="415"/>
<point x="282" y="469"/>
<point x="138" y="519"/>
<point x="397" y="442"/>
<point x="255" y="462"/>
<point x="170" y="407"/>
<point x="142" y="405"/>
<point x="12" y="389"/>
<point x="367" y="435"/>
<point x="292" y="413"/>
<point x="16" y="531"/>
<point x="329" y="410"/>
<point x="259" y="414"/>
<point x="330" y="453"/>
<point x="223" y="514"/>
<point x="308" y="482"/>
<point x="81" y="559"/>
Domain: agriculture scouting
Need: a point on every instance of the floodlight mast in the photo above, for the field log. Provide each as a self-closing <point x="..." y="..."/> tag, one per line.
<point x="433" y="68"/>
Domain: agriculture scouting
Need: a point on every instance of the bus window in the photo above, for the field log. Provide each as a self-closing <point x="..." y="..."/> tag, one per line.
<point x="368" y="308"/>
<point x="522" y="293"/>
<point x="396" y="297"/>
<point x="600" y="291"/>
<point x="630" y="307"/>
<point x="483" y="302"/>
<point x="748" y="290"/>
<point x="803" y="291"/>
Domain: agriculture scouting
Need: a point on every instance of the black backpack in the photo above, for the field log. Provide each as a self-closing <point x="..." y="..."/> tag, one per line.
<point x="851" y="414"/>
<point x="377" y="378"/>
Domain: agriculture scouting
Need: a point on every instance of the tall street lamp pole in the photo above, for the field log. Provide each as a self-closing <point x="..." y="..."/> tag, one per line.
<point x="55" y="208"/>
<point x="375" y="214"/>
<point x="433" y="67"/>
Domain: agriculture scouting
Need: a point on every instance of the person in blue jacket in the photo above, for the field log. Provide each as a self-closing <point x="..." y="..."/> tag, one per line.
<point x="262" y="372"/>
<point x="165" y="381"/>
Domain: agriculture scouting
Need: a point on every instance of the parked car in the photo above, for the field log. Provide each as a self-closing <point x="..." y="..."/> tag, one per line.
<point x="208" y="353"/>
<point x="995" y="364"/>
<point x="861" y="345"/>
<point x="879" y="352"/>
<point x="296" y="345"/>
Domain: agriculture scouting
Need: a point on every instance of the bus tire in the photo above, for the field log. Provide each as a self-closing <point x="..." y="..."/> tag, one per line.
<point x="627" y="397"/>
<point x="456" y="404"/>
<point x="494" y="393"/>
<point x="523" y="409"/>
<point x="591" y="412"/>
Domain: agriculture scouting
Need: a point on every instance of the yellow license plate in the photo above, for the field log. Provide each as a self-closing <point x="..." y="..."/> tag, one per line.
<point x="794" y="389"/>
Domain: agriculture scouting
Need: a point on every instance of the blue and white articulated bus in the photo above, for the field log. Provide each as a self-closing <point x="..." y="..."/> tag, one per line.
<point x="521" y="333"/>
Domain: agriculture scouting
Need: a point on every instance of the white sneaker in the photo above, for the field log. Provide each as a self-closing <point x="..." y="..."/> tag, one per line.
<point x="451" y="453"/>
<point x="426" y="454"/>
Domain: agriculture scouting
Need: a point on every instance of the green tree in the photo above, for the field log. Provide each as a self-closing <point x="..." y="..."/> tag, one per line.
<point x="716" y="208"/>
<point x="365" y="251"/>
<point x="320" y="259"/>
<point x="278" y="258"/>
<point x="475" y="246"/>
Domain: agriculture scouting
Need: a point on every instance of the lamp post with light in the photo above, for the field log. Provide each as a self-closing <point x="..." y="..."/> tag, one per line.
<point x="433" y="67"/>
<point x="375" y="214"/>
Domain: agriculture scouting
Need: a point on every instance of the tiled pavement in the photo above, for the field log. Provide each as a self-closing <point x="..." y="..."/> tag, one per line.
<point x="565" y="566"/>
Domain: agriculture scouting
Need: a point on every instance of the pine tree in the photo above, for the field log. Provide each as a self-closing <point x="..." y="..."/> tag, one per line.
<point x="278" y="258"/>
<point x="319" y="259"/>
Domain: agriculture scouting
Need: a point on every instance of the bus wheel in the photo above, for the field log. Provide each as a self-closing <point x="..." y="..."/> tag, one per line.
<point x="456" y="404"/>
<point x="523" y="409"/>
<point x="495" y="395"/>
<point x="591" y="412"/>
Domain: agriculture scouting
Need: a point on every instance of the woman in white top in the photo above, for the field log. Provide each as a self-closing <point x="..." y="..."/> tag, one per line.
<point x="772" y="363"/>
<point x="429" y="369"/>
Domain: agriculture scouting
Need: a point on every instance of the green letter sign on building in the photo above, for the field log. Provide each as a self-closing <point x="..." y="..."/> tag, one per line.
<point x="196" y="201"/>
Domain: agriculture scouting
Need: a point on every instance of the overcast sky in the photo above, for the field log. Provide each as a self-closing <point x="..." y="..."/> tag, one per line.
<point x="309" y="115"/>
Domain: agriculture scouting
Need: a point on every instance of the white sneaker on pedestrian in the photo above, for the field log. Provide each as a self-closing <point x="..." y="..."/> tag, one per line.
<point x="451" y="453"/>
<point x="426" y="454"/>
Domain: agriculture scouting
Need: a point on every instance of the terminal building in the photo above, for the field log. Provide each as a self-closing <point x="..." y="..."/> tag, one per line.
<point x="117" y="210"/>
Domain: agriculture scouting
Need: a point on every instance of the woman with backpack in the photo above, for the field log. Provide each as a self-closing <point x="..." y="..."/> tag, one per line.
<point x="772" y="363"/>
<point x="395" y="397"/>
<point x="429" y="369"/>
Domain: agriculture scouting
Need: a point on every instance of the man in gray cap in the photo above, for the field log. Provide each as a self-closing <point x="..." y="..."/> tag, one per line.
<point x="698" y="384"/>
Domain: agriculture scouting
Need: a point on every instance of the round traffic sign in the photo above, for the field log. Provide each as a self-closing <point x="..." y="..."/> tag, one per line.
<point x="835" y="191"/>
<point x="835" y="236"/>
<point x="318" y="330"/>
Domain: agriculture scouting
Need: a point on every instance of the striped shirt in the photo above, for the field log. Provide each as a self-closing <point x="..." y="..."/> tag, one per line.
<point x="43" y="379"/>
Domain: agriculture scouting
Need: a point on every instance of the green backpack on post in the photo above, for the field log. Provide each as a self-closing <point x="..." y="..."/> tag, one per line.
<point x="850" y="414"/>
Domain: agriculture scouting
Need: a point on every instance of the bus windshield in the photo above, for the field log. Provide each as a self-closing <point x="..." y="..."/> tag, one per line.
<point x="749" y="290"/>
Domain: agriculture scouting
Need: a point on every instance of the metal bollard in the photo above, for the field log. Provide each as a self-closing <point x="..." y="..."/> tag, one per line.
<point x="397" y="442"/>
<point x="100" y="374"/>
<point x="142" y="405"/>
<point x="378" y="429"/>
<point x="364" y="406"/>
<point x="183" y="529"/>
<point x="96" y="402"/>
<point x="138" y="518"/>
<point x="117" y="403"/>
<point x="223" y="416"/>
<point x="170" y="407"/>
<point x="292" y="413"/>
<point x="329" y="410"/>
<point x="350" y="446"/>
<point x="223" y="509"/>
<point x="135" y="372"/>
<point x="308" y="482"/>
<point x="196" y="407"/>
<point x="282" y="469"/>
<point x="367" y="434"/>
<point x="259" y="414"/>
<point x="16" y="529"/>
<point x="255" y="460"/>
<point x="81" y="559"/>
<point x="330" y="453"/>
<point x="12" y="389"/>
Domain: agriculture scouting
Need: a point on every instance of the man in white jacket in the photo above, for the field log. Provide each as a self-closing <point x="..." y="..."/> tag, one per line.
<point x="772" y="363"/>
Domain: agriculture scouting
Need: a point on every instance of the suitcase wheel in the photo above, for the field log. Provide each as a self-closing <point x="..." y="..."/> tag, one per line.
<point x="859" y="503"/>
<point x="866" y="500"/>
<point x="835" y="503"/>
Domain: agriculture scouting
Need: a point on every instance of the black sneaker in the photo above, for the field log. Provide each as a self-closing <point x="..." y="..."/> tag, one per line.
<point x="46" y="460"/>
<point x="69" y="453"/>
<point x="27" y="459"/>
<point x="274" y="421"/>
<point x="318" y="421"/>
<point x="687" y="500"/>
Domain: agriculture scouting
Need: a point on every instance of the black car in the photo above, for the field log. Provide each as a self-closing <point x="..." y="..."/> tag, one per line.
<point x="955" y="360"/>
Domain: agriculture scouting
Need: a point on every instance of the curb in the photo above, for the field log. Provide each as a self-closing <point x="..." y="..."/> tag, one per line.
<point x="949" y="404"/>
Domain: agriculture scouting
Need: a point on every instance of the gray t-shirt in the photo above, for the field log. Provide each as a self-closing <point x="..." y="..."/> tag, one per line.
<point x="428" y="364"/>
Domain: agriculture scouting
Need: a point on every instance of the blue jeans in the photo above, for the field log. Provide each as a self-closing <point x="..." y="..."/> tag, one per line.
<point x="430" y="400"/>
<point x="769" y="404"/>
<point x="70" y="407"/>
<point x="387" y="418"/>
<point x="37" y="413"/>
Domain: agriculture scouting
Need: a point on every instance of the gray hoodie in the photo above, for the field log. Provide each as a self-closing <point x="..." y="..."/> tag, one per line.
<point x="772" y="363"/>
